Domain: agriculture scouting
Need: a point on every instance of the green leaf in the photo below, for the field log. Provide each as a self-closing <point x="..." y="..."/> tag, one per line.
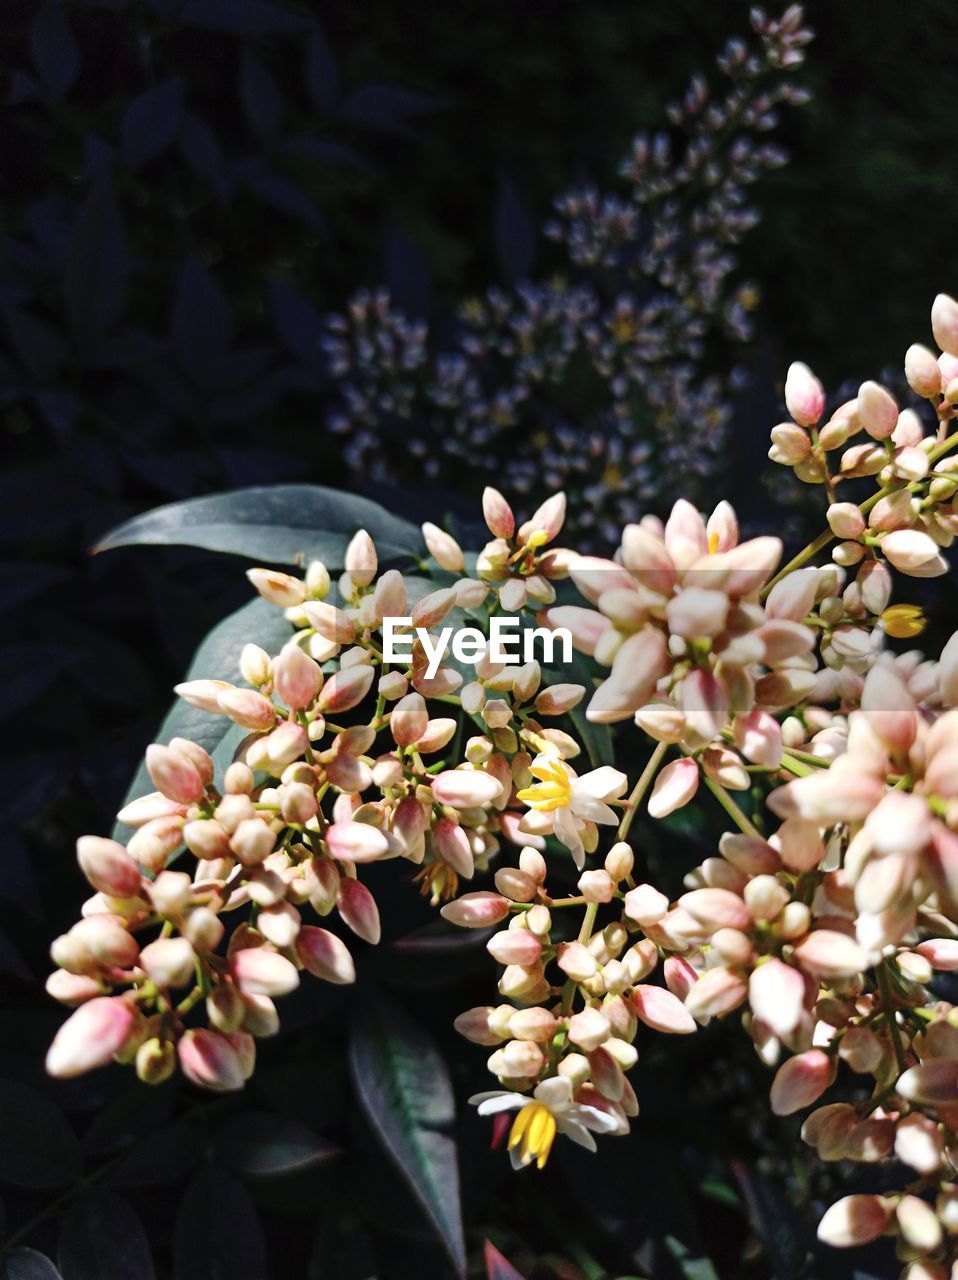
<point x="276" y="524"/>
<point x="218" y="1231"/>
<point x="405" y="1093"/>
<point x="38" y="1148"/>
<point x="103" y="1239"/>
<point x="780" y="1228"/>
<point x="217" y="658"/>
<point x="262" y="1145"/>
<point x="27" y="1264"/>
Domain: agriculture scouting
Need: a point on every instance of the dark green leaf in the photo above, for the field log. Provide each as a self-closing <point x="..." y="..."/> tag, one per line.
<point x="277" y="524"/>
<point x="778" y="1225"/>
<point x="27" y="1264"/>
<point x="261" y="1145"/>
<point x="103" y="1239"/>
<point x="218" y="1231"/>
<point x="37" y="1146"/>
<point x="404" y="1090"/>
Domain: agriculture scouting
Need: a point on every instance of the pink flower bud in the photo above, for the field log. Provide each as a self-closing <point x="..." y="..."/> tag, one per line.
<point x="546" y="521"/>
<point x="717" y="909"/>
<point x="717" y="992"/>
<point x="877" y="410"/>
<point x="845" y="520"/>
<point x="638" y="664"/>
<point x="90" y="1037"/>
<point x="800" y="1081"/>
<point x="454" y="848"/>
<point x="279" y="589"/>
<point x="941" y="953"/>
<point x="296" y="677"/>
<point x="465" y="788"/>
<point x="476" y="910"/>
<point x="325" y="956"/>
<point x="854" y="1220"/>
<point x="909" y="549"/>
<point x="204" y="694"/>
<point x="645" y="905"/>
<point x="72" y="988"/>
<point x="389" y="596"/>
<point x="532" y="1024"/>
<point x="252" y="841"/>
<point x="361" y="561"/>
<point x="776" y="993"/>
<point x="589" y="1029"/>
<point x="794" y="596"/>
<point x="825" y="953"/>
<point x="497" y="514"/>
<point x="170" y="962"/>
<point x="443" y="548"/>
<point x="921" y="370"/>
<point x="103" y="941"/>
<point x="346" y="689"/>
<point x="576" y="961"/>
<point x="674" y="787"/>
<point x="108" y="867"/>
<point x="790" y="444"/>
<point x="248" y="708"/>
<point x="432" y="608"/>
<point x="596" y="886"/>
<point x="331" y="623"/>
<point x="804" y="396"/>
<point x="515" y="946"/>
<point x="662" y="1010"/>
<point x="356" y="842"/>
<point x="258" y="971"/>
<point x="944" y="323"/>
<point x="208" y="1060"/>
<point x="679" y="975"/>
<point x="438" y="734"/>
<point x="409" y="719"/>
<point x="174" y="774"/>
<point x="930" y="1083"/>
<point x="357" y="908"/>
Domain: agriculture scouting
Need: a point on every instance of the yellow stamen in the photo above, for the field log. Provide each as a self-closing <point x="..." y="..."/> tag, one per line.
<point x="533" y="1132"/>
<point x="438" y="882"/>
<point x="553" y="791"/>
<point x="903" y="621"/>
<point x="713" y="543"/>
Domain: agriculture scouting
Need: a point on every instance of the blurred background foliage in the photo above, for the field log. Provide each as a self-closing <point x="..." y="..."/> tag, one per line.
<point x="186" y="188"/>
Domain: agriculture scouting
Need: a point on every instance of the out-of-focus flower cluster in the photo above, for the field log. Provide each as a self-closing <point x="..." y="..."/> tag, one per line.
<point x="822" y="920"/>
<point x="597" y="380"/>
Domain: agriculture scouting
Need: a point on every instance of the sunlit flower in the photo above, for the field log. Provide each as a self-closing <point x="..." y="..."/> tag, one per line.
<point x="551" y="1110"/>
<point x="571" y="800"/>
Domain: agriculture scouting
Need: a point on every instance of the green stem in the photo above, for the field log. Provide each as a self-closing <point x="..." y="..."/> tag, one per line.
<point x="884" y="986"/>
<point x="639" y="790"/>
<point x="731" y="808"/>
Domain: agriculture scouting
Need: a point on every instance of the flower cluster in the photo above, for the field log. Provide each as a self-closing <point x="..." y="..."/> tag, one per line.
<point x="596" y="380"/>
<point x="822" y="920"/>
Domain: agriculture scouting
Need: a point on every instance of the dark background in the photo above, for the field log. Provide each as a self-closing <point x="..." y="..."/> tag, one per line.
<point x="186" y="188"/>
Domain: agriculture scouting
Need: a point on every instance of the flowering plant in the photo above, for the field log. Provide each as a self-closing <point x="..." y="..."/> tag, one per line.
<point x="821" y="921"/>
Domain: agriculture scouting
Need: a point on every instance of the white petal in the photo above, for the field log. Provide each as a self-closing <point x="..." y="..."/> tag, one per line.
<point x="567" y="831"/>
<point x="604" y="783"/>
<point x="594" y="810"/>
<point x="596" y="1120"/>
<point x="556" y="1093"/>
<point x="496" y="1102"/>
<point x="577" y="1132"/>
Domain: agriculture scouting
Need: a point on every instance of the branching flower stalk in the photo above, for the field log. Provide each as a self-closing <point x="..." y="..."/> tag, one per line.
<point x="820" y="923"/>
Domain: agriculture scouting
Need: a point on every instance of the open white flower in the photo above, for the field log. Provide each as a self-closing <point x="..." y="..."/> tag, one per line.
<point x="572" y="801"/>
<point x="550" y="1110"/>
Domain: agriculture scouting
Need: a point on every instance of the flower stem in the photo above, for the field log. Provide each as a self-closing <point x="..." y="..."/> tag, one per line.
<point x="639" y="790"/>
<point x="731" y="808"/>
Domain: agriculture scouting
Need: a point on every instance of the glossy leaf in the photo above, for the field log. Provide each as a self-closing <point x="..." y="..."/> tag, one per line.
<point x="38" y="1148"/>
<point x="151" y="121"/>
<point x="777" y="1223"/>
<point x="275" y="524"/>
<point x="260" y="1145"/>
<point x="96" y="267"/>
<point x="218" y="1231"/>
<point x="27" y="1264"/>
<point x="102" y="1238"/>
<point x="404" y="1090"/>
